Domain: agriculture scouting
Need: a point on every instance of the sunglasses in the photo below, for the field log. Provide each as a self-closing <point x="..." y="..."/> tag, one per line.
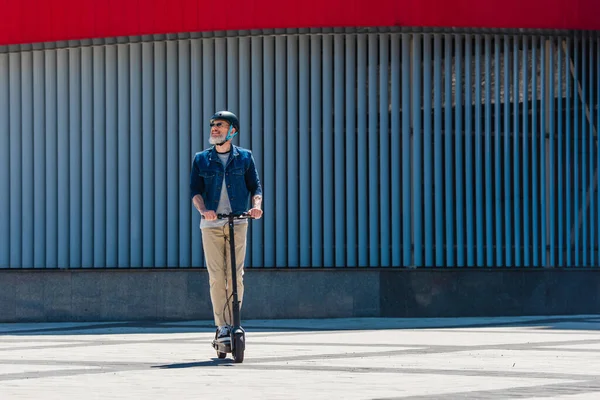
<point x="217" y="124"/>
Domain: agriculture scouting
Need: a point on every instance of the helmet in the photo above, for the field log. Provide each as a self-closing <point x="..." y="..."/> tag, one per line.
<point x="229" y="117"/>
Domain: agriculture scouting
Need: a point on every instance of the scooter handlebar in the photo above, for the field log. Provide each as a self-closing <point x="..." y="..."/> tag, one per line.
<point x="244" y="215"/>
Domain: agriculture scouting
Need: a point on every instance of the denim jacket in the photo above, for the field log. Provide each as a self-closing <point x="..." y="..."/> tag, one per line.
<point x="241" y="178"/>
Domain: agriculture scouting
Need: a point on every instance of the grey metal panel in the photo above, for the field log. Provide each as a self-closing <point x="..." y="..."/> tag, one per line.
<point x="123" y="155"/>
<point x="280" y="154"/>
<point x="361" y="154"/>
<point x="328" y="159"/>
<point x="183" y="156"/>
<point x="27" y="179"/>
<point x="99" y="151"/>
<point x="15" y="160"/>
<point x="136" y="95"/>
<point x="51" y="178"/>
<point x="160" y="157"/>
<point x="87" y="158"/>
<point x="350" y="160"/>
<point x="112" y="136"/>
<point x="257" y="140"/>
<point x="148" y="162"/>
<point x="269" y="137"/>
<point x="75" y="158"/>
<point x="197" y="125"/>
<point x="39" y="148"/>
<point x="172" y="153"/>
<point x="292" y="170"/>
<point x="62" y="153"/>
<point x="316" y="157"/>
<point x="243" y="97"/>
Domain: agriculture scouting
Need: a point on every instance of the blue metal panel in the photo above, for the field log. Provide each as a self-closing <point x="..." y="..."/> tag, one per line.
<point x="515" y="156"/>
<point x="384" y="155"/>
<point x="592" y="138"/>
<point x="576" y="153"/>
<point x="160" y="155"/>
<point x="569" y="147"/>
<point x="479" y="200"/>
<point x="551" y="154"/>
<point x="16" y="241"/>
<point x="417" y="152"/>
<point x="447" y="167"/>
<point x="459" y="143"/>
<point x="584" y="137"/>
<point x="293" y="172"/>
<point x="470" y="208"/>
<point x="339" y="156"/>
<point x="304" y="147"/>
<point x="525" y="161"/>
<point x="350" y="141"/>
<point x="542" y="144"/>
<point x="279" y="158"/>
<point x="437" y="151"/>
<point x="5" y="175"/>
<point x="499" y="192"/>
<point x="534" y="154"/>
<point x="406" y="152"/>
<point x="327" y="156"/>
<point x="448" y="134"/>
<point x="560" y="155"/>
<point x="427" y="151"/>
<point x="373" y="156"/>
<point x="489" y="234"/>
<point x="361" y="154"/>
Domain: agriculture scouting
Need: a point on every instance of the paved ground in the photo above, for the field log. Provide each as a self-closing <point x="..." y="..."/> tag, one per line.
<point x="475" y="358"/>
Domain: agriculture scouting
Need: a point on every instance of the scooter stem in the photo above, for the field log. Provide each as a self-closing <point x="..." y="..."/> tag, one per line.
<point x="236" y="304"/>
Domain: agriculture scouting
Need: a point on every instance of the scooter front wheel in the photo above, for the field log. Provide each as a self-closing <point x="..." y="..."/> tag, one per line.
<point x="238" y="348"/>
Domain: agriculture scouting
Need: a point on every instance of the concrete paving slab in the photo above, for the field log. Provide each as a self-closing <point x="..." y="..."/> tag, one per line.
<point x="459" y="358"/>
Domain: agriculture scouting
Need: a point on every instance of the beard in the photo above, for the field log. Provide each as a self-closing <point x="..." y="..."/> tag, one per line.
<point x="217" y="139"/>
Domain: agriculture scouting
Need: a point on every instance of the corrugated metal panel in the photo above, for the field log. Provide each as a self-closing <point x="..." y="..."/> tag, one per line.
<point x="375" y="149"/>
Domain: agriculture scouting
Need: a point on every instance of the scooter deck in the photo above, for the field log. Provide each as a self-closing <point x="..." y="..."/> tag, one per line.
<point x="222" y="347"/>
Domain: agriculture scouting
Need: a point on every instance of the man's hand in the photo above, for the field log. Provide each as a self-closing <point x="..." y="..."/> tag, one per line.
<point x="209" y="215"/>
<point x="255" y="213"/>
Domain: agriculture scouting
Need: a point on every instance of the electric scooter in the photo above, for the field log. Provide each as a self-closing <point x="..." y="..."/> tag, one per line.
<point x="237" y="345"/>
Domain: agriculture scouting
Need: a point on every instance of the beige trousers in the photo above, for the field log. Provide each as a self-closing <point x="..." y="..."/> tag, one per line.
<point x="215" y="242"/>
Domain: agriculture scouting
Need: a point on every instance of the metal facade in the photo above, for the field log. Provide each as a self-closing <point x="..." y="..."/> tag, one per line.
<point x="375" y="149"/>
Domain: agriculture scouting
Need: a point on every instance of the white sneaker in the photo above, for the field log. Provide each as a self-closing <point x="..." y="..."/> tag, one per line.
<point x="223" y="334"/>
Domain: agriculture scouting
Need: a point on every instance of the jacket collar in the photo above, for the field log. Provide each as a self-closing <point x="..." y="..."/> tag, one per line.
<point x="213" y="155"/>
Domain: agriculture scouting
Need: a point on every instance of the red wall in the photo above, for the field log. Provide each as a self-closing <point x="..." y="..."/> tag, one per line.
<point x="29" y="21"/>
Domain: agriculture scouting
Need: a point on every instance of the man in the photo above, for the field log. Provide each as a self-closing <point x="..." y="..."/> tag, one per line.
<point x="222" y="180"/>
